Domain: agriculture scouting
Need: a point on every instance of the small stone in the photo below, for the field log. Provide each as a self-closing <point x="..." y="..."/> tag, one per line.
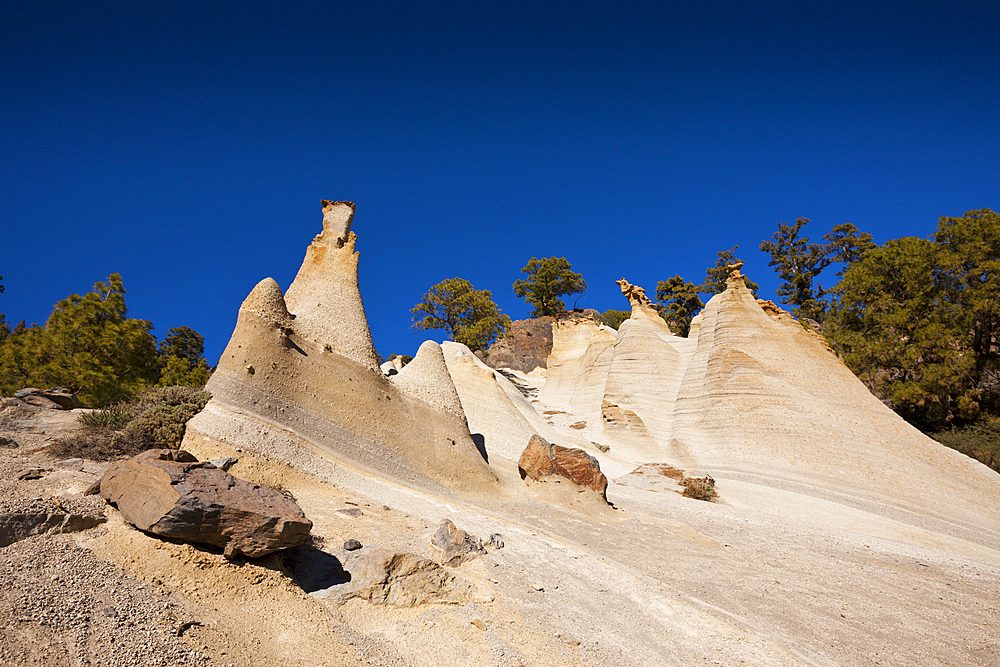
<point x="8" y="443"/>
<point x="32" y="473"/>
<point x="495" y="541"/>
<point x="478" y="623"/>
<point x="456" y="546"/>
<point x="352" y="512"/>
<point x="352" y="545"/>
<point x="225" y="463"/>
<point x="69" y="462"/>
<point x="570" y="639"/>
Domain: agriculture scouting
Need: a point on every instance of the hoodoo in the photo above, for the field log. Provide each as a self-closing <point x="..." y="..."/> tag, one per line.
<point x="300" y="372"/>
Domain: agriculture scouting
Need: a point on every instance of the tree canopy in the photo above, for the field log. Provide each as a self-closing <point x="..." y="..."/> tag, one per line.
<point x="87" y="346"/>
<point x="715" y="275"/>
<point x="548" y="279"/>
<point x="799" y="263"/>
<point x="181" y="359"/>
<point x="917" y="320"/>
<point x="468" y="315"/>
<point x="678" y="302"/>
<point x="90" y="347"/>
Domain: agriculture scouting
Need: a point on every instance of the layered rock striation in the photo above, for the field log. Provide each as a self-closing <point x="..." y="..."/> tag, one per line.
<point x="300" y="373"/>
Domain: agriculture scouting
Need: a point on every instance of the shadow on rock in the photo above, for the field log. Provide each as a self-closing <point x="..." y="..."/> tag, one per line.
<point x="314" y="570"/>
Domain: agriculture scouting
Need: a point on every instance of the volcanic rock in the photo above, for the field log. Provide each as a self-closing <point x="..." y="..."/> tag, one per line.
<point x="168" y="493"/>
<point x="541" y="459"/>
<point x="54" y="399"/>
<point x="455" y="546"/>
<point x="525" y="347"/>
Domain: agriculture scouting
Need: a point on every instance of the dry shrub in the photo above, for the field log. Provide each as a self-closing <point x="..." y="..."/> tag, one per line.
<point x="157" y="420"/>
<point x="97" y="444"/>
<point x="980" y="440"/>
<point x="699" y="488"/>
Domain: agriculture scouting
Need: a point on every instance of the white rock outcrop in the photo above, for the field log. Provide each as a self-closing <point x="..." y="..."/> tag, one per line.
<point x="300" y="373"/>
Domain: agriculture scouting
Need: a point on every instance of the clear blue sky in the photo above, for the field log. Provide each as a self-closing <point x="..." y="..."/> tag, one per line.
<point x="187" y="145"/>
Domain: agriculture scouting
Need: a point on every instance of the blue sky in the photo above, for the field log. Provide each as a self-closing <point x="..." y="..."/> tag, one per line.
<point x="187" y="145"/>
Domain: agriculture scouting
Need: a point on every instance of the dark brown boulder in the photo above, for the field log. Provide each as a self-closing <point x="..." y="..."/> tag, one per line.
<point x="525" y="347"/>
<point x="170" y="494"/>
<point x="541" y="459"/>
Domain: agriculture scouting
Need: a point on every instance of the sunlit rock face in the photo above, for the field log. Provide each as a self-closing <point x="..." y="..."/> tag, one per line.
<point x="755" y="399"/>
<point x="300" y="371"/>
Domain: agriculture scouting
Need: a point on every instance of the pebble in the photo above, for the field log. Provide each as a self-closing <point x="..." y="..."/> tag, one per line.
<point x="80" y="610"/>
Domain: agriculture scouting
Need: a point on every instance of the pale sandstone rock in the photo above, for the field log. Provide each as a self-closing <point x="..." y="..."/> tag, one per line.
<point x="300" y="372"/>
<point x="382" y="576"/>
<point x="325" y="297"/>
<point x="497" y="412"/>
<point x="642" y="307"/>
<point x="427" y="378"/>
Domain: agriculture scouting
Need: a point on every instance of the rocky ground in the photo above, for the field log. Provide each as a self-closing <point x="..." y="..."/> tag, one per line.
<point x="656" y="579"/>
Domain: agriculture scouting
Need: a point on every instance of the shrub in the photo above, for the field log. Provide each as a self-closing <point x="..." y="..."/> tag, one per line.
<point x="94" y="443"/>
<point x="980" y="440"/>
<point x="158" y="419"/>
<point x="162" y="415"/>
<point x="699" y="488"/>
<point x="113" y="417"/>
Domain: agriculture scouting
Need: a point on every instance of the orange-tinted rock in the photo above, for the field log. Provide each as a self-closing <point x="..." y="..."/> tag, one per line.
<point x="541" y="459"/>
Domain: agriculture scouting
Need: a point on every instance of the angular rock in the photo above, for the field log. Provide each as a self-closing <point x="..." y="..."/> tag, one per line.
<point x="226" y="462"/>
<point x="8" y="443"/>
<point x="541" y="459"/>
<point x="170" y="494"/>
<point x="55" y="399"/>
<point x="352" y="545"/>
<point x="455" y="546"/>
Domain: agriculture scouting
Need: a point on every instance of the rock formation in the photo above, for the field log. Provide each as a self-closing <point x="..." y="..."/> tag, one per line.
<point x="642" y="307"/>
<point x="751" y="394"/>
<point x="169" y="493"/>
<point x="54" y="399"/>
<point x="525" y="347"/>
<point x="300" y="374"/>
<point x="324" y="295"/>
<point x="541" y="460"/>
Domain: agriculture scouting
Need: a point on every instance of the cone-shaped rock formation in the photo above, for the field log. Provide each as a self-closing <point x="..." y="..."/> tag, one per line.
<point x="300" y="372"/>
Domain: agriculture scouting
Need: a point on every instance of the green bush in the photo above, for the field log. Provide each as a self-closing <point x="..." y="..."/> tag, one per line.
<point x="980" y="441"/>
<point x="158" y="419"/>
<point x="113" y="417"/>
